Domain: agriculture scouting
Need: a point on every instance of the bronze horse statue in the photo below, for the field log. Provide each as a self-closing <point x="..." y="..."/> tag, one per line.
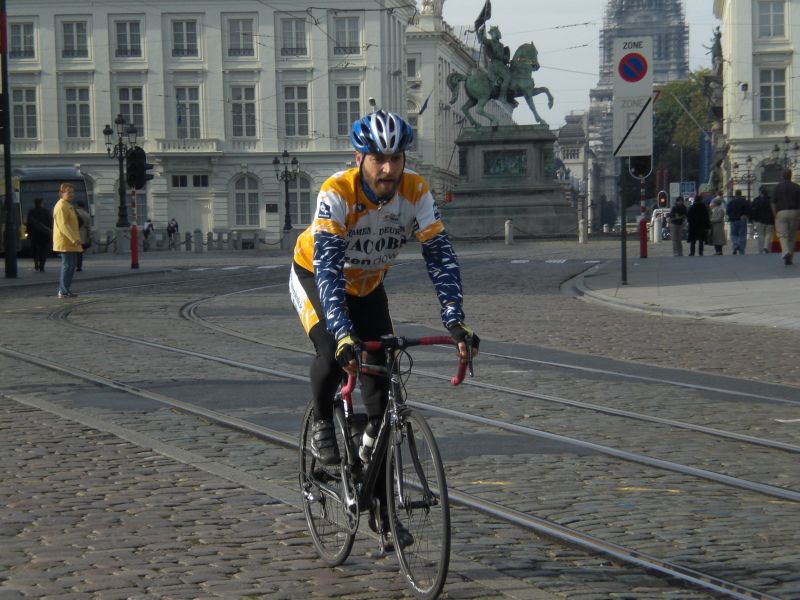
<point x="480" y="88"/>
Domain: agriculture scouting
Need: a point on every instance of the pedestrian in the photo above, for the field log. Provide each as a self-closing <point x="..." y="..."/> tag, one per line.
<point x="786" y="208"/>
<point x="66" y="238"/>
<point x="738" y="210"/>
<point x="677" y="217"/>
<point x="39" y="224"/>
<point x="717" y="220"/>
<point x="85" y="227"/>
<point x="146" y="231"/>
<point x="699" y="225"/>
<point x="172" y="233"/>
<point x="763" y="220"/>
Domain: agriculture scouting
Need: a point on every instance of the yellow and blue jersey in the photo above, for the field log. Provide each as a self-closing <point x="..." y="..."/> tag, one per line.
<point x="351" y="243"/>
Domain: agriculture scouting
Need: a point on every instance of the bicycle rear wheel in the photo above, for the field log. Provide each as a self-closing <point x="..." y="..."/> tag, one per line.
<point x="417" y="493"/>
<point x="322" y="490"/>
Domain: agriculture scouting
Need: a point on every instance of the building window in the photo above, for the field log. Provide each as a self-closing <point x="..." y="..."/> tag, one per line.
<point x="131" y="106"/>
<point x="243" y="111"/>
<point x="294" y="37"/>
<point x="184" y="38"/>
<point x="771" y="18"/>
<point x="75" y="40"/>
<point x="188" y="109"/>
<point x="199" y="180"/>
<point x="78" y="116"/>
<point x="240" y="34"/>
<point x="300" y="201"/>
<point x="129" y="39"/>
<point x="180" y="181"/>
<point x="296" y="110"/>
<point x="246" y="201"/>
<point x="21" y="40"/>
<point x="411" y="68"/>
<point x="346" y="41"/>
<point x="348" y="107"/>
<point x="23" y="110"/>
<point x="772" y="99"/>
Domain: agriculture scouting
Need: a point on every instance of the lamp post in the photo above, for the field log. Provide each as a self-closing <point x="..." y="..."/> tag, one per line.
<point x="784" y="159"/>
<point x="748" y="178"/>
<point x="118" y="151"/>
<point x="289" y="173"/>
<point x="675" y="145"/>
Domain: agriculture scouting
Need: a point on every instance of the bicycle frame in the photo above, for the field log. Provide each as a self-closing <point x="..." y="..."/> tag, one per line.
<point x="395" y="406"/>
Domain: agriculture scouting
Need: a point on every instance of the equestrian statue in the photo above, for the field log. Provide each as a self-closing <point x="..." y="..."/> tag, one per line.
<point x="504" y="80"/>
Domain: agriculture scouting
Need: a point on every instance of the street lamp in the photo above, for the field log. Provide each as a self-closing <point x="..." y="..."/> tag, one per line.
<point x="289" y="173"/>
<point x="784" y="159"/>
<point x="118" y="151"/>
<point x="748" y="178"/>
<point x="674" y="145"/>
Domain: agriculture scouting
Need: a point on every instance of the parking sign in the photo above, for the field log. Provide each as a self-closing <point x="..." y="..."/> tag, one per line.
<point x="633" y="92"/>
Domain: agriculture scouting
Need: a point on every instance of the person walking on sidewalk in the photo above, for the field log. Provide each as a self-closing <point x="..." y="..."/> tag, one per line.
<point x="66" y="238"/>
<point x="677" y="217"/>
<point x="84" y="225"/>
<point x="763" y="220"/>
<point x="717" y="220"/>
<point x="786" y="208"/>
<point x="738" y="213"/>
<point x="699" y="224"/>
<point x="40" y="231"/>
<point x="172" y="234"/>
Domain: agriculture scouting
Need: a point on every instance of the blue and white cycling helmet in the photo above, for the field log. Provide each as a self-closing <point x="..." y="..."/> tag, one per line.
<point x="381" y="132"/>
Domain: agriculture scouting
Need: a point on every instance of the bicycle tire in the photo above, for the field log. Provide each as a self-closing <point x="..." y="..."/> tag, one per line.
<point x="326" y="516"/>
<point x="426" y="561"/>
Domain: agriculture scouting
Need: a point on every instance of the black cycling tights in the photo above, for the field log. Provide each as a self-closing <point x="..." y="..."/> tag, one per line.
<point x="370" y="317"/>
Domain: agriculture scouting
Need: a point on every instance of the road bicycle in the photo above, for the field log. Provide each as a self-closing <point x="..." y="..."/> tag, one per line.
<point x="335" y="496"/>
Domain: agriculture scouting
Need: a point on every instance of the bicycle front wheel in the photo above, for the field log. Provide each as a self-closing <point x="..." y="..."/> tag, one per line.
<point x="322" y="491"/>
<point x="417" y="493"/>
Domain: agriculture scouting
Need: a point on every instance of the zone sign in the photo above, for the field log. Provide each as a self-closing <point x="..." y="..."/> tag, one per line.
<point x="633" y="91"/>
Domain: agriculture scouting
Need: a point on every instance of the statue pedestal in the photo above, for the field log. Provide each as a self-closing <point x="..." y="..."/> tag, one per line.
<point x="505" y="173"/>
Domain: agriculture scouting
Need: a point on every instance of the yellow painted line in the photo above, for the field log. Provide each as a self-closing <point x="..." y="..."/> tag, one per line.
<point x="645" y="489"/>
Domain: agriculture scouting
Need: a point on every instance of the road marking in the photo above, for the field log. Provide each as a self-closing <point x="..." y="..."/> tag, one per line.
<point x="592" y="262"/>
<point x="485" y="482"/>
<point x="788" y="420"/>
<point x="647" y="489"/>
<point x="557" y="261"/>
<point x="520" y="261"/>
<point x="200" y="269"/>
<point x="514" y="371"/>
<point x="233" y="268"/>
<point x="270" y="266"/>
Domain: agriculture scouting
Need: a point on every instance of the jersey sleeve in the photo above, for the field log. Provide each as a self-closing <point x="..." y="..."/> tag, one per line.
<point x="441" y="260"/>
<point x="329" y="254"/>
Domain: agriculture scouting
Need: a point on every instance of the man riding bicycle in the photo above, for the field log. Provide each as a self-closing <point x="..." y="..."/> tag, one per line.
<point x="363" y="217"/>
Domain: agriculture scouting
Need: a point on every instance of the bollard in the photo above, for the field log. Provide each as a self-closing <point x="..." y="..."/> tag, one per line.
<point x="134" y="246"/>
<point x="198" y="237"/>
<point x="642" y="237"/>
<point x="210" y="241"/>
<point x="581" y="231"/>
<point x="509" y="232"/>
<point x="188" y="238"/>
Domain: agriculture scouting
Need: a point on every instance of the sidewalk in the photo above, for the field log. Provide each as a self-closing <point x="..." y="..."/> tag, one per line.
<point x="747" y="290"/>
<point x="750" y="289"/>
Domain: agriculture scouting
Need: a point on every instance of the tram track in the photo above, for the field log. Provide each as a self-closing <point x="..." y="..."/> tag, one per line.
<point x="544" y="527"/>
<point x="718" y="585"/>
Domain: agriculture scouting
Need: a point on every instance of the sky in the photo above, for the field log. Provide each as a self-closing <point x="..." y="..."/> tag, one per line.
<point x="567" y="35"/>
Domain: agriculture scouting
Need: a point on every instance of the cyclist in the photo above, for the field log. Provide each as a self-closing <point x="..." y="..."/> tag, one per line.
<point x="363" y="217"/>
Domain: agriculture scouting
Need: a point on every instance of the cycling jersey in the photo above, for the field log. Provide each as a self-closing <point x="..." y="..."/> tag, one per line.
<point x="351" y="243"/>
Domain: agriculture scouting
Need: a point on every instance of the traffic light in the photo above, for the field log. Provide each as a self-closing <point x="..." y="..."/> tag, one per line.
<point x="640" y="166"/>
<point x="663" y="199"/>
<point x="137" y="168"/>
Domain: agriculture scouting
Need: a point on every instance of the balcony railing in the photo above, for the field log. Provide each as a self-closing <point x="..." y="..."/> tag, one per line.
<point x="75" y="53"/>
<point x="184" y="52"/>
<point x="128" y="52"/>
<point x="188" y="144"/>
<point x="300" y="51"/>
<point x="241" y="52"/>
<point x="347" y="49"/>
<point x="24" y="53"/>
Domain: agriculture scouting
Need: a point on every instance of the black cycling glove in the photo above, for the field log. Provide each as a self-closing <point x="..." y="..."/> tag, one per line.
<point x="346" y="349"/>
<point x="461" y="333"/>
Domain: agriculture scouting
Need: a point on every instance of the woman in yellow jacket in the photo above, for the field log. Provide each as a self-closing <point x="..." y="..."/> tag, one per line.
<point x="66" y="238"/>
